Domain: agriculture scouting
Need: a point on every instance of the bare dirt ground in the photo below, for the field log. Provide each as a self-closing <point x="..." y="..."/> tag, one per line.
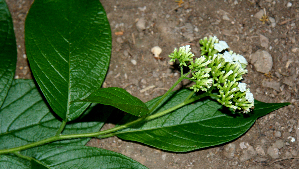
<point x="139" y="25"/>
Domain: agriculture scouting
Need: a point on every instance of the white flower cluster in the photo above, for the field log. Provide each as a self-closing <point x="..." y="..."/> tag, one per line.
<point x="218" y="68"/>
<point x="184" y="55"/>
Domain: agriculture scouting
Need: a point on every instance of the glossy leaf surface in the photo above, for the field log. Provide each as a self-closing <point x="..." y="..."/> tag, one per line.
<point x="84" y="157"/>
<point x="194" y="126"/>
<point x="119" y="98"/>
<point x="11" y="161"/>
<point x="25" y="118"/>
<point x="8" y="54"/>
<point x="68" y="44"/>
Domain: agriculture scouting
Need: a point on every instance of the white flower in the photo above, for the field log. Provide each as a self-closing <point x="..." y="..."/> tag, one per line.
<point x="222" y="45"/>
<point x="186" y="49"/>
<point x="227" y="57"/>
<point x="242" y="87"/>
<point x="241" y="59"/>
<point x="249" y="97"/>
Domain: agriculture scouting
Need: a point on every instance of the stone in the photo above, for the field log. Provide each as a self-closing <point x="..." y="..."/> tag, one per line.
<point x="134" y="62"/>
<point x="229" y="150"/>
<point x="264" y="41"/>
<point x="259" y="14"/>
<point x="225" y="17"/>
<point x="260" y="151"/>
<point x="273" y="23"/>
<point x="273" y="152"/>
<point x="277" y="134"/>
<point x="278" y="144"/>
<point x="140" y="24"/>
<point x="271" y="84"/>
<point x="248" y="154"/>
<point x="262" y="61"/>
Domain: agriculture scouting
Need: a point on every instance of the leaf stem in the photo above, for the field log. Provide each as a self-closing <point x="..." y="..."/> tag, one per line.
<point x="105" y="133"/>
<point x="183" y="76"/>
<point x="17" y="153"/>
<point x="61" y="128"/>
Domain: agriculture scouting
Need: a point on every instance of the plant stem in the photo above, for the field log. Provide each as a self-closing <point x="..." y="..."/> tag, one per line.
<point x="61" y="128"/>
<point x="166" y="94"/>
<point x="105" y="133"/>
<point x="22" y="156"/>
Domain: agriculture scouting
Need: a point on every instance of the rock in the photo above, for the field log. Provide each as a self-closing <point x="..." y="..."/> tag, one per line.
<point x="119" y="40"/>
<point x="156" y="51"/>
<point x="295" y="50"/>
<point x="259" y="14"/>
<point x="141" y="24"/>
<point x="134" y="62"/>
<point x="289" y="81"/>
<point x="273" y="23"/>
<point x="262" y="61"/>
<point x="273" y="152"/>
<point x="260" y="151"/>
<point x="188" y="34"/>
<point x="264" y="41"/>
<point x="289" y="4"/>
<point x="271" y="84"/>
<point x="243" y="145"/>
<point x="278" y="144"/>
<point x="225" y="17"/>
<point x="277" y="134"/>
<point x="248" y="154"/>
<point x="229" y="150"/>
<point x="163" y="157"/>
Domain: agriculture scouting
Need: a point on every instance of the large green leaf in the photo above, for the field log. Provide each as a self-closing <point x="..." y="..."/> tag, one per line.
<point x="84" y="157"/>
<point x="11" y="161"/>
<point x="8" y="54"/>
<point x="194" y="126"/>
<point x="25" y="118"/>
<point x="119" y="98"/>
<point x="68" y="44"/>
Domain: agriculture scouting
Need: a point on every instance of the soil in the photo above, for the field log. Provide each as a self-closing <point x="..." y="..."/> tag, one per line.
<point x="272" y="142"/>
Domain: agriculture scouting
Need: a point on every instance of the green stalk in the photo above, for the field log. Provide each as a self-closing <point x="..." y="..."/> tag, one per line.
<point x="167" y="93"/>
<point x="61" y="128"/>
<point x="106" y="133"/>
<point x="22" y="156"/>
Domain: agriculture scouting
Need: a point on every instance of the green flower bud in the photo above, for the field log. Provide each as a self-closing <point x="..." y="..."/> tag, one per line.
<point x="184" y="56"/>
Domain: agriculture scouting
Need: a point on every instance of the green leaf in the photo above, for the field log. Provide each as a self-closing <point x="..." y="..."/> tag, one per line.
<point x="68" y="44"/>
<point x="11" y="161"/>
<point x="119" y="98"/>
<point x="84" y="157"/>
<point x="25" y="118"/>
<point x="194" y="126"/>
<point x="8" y="55"/>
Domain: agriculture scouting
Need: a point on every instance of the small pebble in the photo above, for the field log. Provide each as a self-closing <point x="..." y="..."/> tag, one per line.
<point x="292" y="139"/>
<point x="248" y="154"/>
<point x="271" y="84"/>
<point x="289" y="4"/>
<point x="264" y="41"/>
<point x="229" y="150"/>
<point x="273" y="152"/>
<point x="262" y="61"/>
<point x="277" y="134"/>
<point x="133" y="62"/>
<point x="295" y="50"/>
<point x="260" y="151"/>
<point x="259" y="14"/>
<point x="140" y="24"/>
<point x="278" y="144"/>
<point x="243" y="145"/>
<point x="225" y="17"/>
